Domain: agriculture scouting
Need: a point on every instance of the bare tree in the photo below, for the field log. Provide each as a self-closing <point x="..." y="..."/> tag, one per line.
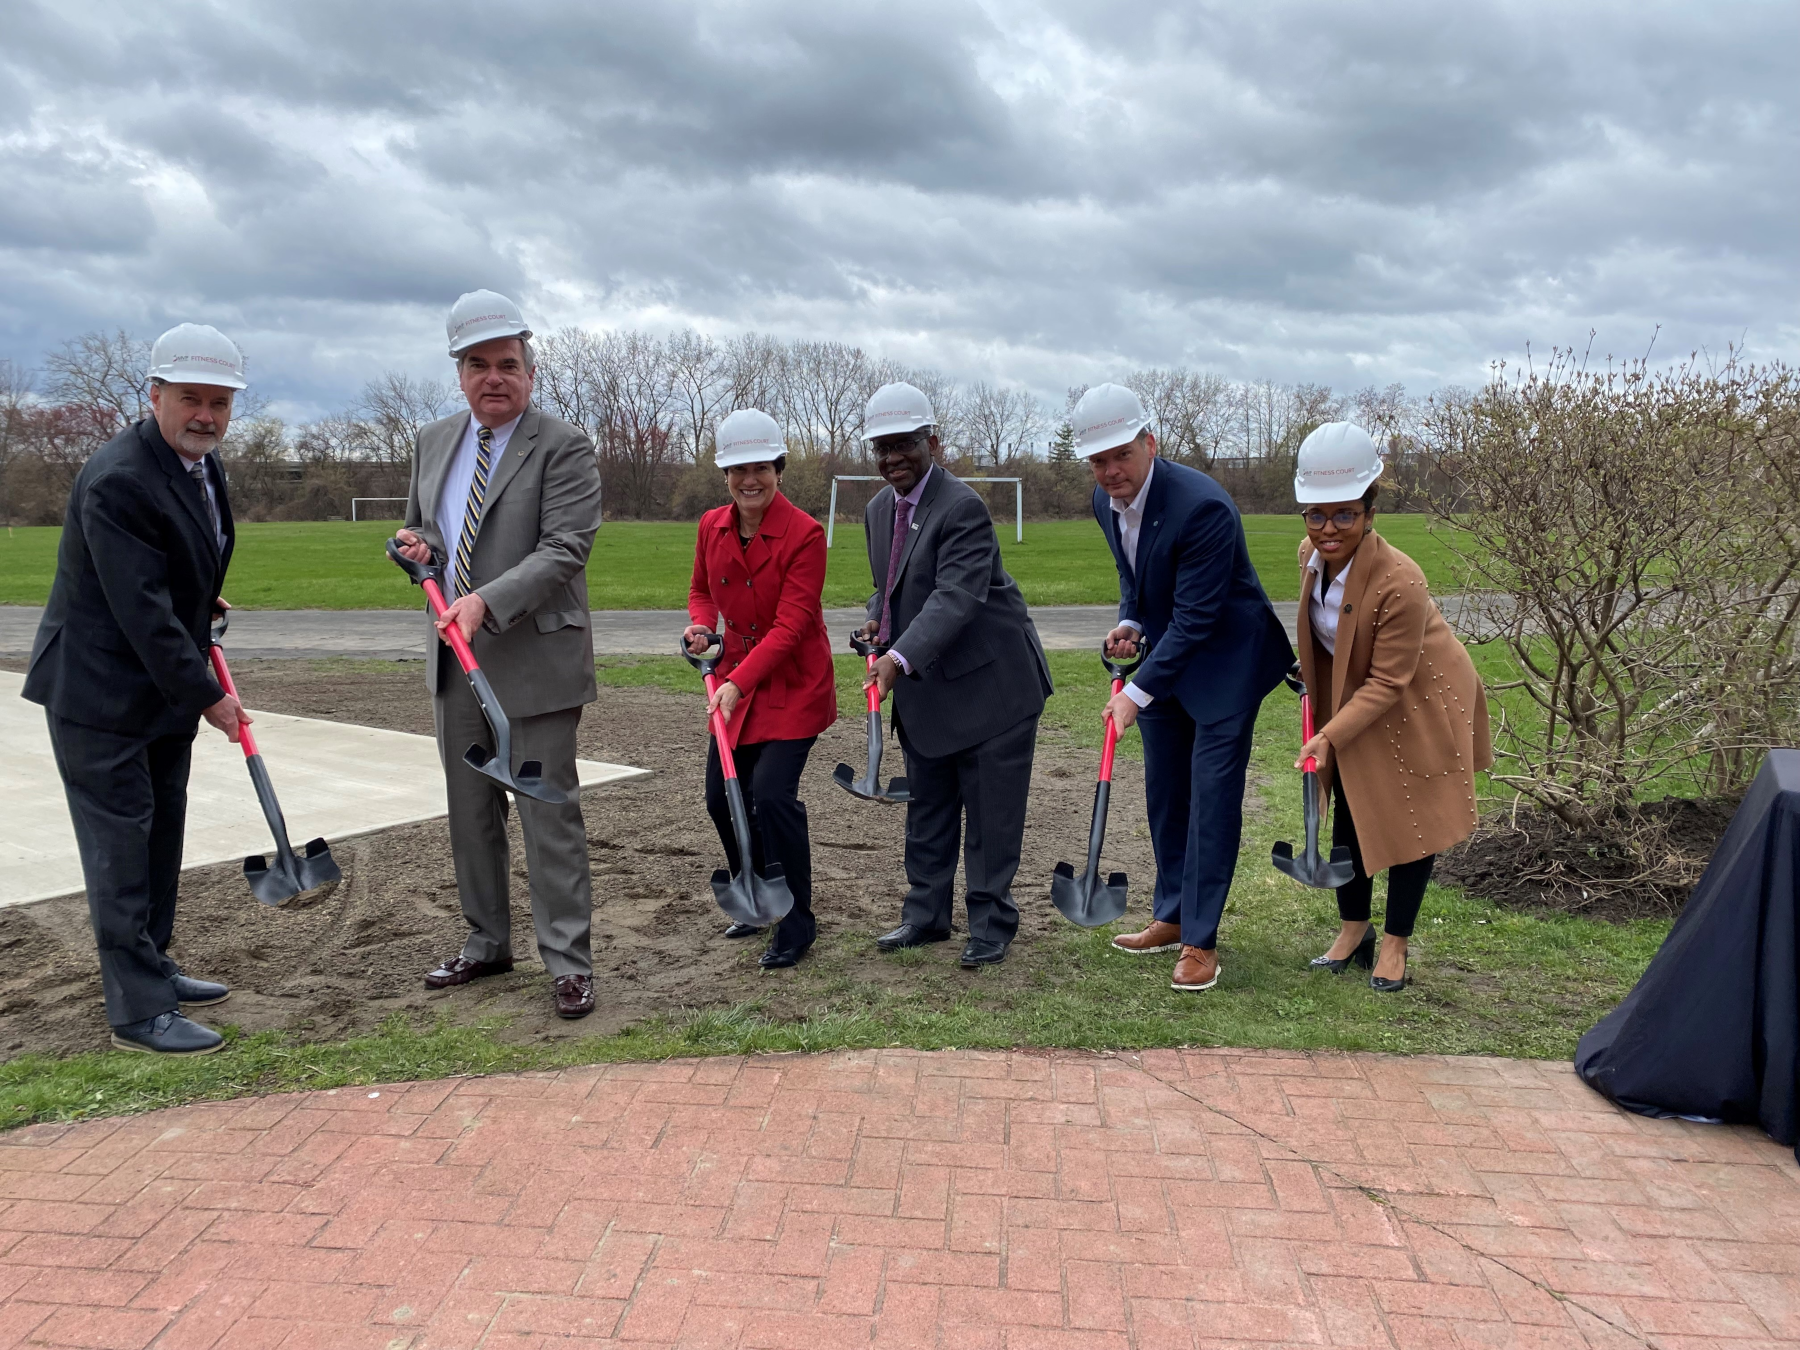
<point x="826" y="387"/>
<point x="104" y="373"/>
<point x="637" y="400"/>
<point x="393" y="410"/>
<point x="1192" y="412"/>
<point x="1001" y="422"/>
<point x="700" y="379"/>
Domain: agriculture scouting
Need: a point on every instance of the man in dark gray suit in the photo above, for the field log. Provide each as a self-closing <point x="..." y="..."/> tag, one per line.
<point x="508" y="500"/>
<point x="967" y="674"/>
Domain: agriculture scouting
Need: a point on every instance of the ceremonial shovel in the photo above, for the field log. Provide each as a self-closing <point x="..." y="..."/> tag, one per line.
<point x="290" y="874"/>
<point x="746" y="898"/>
<point x="498" y="765"/>
<point x="1309" y="869"/>
<point x="869" y="785"/>
<point x="1085" y="900"/>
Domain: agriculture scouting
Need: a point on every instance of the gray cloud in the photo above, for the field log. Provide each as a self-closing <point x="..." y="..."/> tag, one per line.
<point x="1044" y="191"/>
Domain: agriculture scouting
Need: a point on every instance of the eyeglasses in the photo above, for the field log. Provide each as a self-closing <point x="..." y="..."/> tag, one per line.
<point x="1342" y="519"/>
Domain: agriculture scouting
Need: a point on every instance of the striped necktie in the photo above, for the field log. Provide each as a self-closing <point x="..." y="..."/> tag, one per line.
<point x="465" y="543"/>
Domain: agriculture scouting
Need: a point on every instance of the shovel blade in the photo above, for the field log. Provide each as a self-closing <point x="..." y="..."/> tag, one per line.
<point x="1086" y="900"/>
<point x="317" y="867"/>
<point x="1312" y="870"/>
<point x="866" y="788"/>
<point x="272" y="883"/>
<point x="898" y="792"/>
<point x="750" y="899"/>
<point x="528" y="781"/>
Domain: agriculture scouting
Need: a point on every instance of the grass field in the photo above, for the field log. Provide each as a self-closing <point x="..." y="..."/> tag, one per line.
<point x="645" y="565"/>
<point x="1491" y="981"/>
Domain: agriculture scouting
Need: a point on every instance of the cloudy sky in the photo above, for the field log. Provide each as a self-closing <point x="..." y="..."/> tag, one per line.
<point x="1047" y="193"/>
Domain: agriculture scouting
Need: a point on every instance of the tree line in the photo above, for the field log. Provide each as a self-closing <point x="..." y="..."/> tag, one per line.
<point x="651" y="403"/>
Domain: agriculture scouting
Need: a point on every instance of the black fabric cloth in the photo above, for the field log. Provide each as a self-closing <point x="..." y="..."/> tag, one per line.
<point x="1406" y="881"/>
<point x="986" y="783"/>
<point x="769" y="777"/>
<point x="128" y="801"/>
<point x="122" y="645"/>
<point x="1712" y="1030"/>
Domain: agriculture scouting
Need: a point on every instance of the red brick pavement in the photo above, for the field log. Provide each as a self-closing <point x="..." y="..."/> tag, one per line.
<point x="898" y="1199"/>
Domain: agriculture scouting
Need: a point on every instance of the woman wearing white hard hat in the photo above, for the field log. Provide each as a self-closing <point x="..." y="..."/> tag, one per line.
<point x="1404" y="722"/>
<point x="759" y="579"/>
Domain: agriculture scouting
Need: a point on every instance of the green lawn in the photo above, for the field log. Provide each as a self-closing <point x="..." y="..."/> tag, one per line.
<point x="645" y="565"/>
<point x="1491" y="981"/>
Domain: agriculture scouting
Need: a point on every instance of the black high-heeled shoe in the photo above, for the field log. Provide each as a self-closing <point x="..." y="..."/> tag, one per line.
<point x="1382" y="986"/>
<point x="1363" y="956"/>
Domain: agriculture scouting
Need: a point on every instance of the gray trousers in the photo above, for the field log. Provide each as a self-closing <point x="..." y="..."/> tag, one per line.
<point x="987" y="786"/>
<point x="556" y="855"/>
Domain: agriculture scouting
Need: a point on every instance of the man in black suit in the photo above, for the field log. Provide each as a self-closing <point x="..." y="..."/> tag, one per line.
<point x="120" y="666"/>
<point x="967" y="674"/>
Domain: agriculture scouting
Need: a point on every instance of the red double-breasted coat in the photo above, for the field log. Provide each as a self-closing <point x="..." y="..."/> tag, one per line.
<point x="765" y="600"/>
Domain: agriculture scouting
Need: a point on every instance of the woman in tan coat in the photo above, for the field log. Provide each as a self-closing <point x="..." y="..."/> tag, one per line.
<point x="1403" y="715"/>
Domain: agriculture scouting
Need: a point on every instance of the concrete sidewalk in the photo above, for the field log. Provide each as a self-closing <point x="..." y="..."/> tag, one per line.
<point x="399" y="634"/>
<point x="1169" y="1200"/>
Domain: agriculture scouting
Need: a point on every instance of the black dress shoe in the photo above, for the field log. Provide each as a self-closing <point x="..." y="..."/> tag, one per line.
<point x="738" y="930"/>
<point x="780" y="958"/>
<point x="983" y="952"/>
<point x="910" y="935"/>
<point x="1382" y="986"/>
<point x="199" y="993"/>
<point x="1363" y="956"/>
<point x="169" y="1034"/>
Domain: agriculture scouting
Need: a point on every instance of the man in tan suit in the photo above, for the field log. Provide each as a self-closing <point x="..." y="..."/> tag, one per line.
<point x="507" y="499"/>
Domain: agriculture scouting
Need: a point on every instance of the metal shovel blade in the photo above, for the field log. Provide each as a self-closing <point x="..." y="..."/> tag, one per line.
<point x="1083" y="899"/>
<point x="1309" y="869"/>
<point x="288" y="876"/>
<point x="756" y="900"/>
<point x="868" y="787"/>
<point x="529" y="780"/>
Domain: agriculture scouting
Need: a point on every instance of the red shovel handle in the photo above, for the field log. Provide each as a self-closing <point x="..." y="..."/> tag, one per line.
<point x="1309" y="765"/>
<point x="721" y="733"/>
<point x="1112" y="739"/>
<point x="245" y="738"/>
<point x="451" y="634"/>
<point x="874" y="690"/>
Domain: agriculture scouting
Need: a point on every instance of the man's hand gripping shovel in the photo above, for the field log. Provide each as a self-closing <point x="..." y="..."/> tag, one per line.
<point x="1084" y="899"/>
<point x="530" y="776"/>
<point x="290" y="874"/>
<point x="746" y="898"/>
<point x="869" y="786"/>
<point x="1309" y="869"/>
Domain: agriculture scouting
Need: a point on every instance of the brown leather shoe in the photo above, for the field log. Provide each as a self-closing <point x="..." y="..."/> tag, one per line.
<point x="460" y="970"/>
<point x="1158" y="937"/>
<point x="574" y="995"/>
<point x="1197" y="969"/>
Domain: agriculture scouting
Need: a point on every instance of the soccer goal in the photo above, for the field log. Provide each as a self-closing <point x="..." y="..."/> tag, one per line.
<point x="1018" y="500"/>
<point x="377" y="515"/>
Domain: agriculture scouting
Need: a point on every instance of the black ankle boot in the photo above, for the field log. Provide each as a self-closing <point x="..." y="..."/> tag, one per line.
<point x="1363" y="956"/>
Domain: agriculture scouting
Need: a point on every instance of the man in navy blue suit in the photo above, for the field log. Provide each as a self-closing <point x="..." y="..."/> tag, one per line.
<point x="1216" y="648"/>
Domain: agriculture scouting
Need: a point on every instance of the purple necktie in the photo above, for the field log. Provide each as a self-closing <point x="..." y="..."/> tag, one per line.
<point x="902" y="522"/>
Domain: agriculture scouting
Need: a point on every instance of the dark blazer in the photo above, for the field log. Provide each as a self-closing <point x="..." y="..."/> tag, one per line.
<point x="1216" y="644"/>
<point x="765" y="601"/>
<point x="959" y="620"/>
<point x="123" y="641"/>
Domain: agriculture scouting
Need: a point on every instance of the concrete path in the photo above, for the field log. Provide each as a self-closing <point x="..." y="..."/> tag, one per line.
<point x="968" y="1201"/>
<point x="334" y="779"/>
<point x="396" y="634"/>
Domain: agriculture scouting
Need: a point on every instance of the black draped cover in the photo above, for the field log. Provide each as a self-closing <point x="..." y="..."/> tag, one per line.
<point x="1712" y="1030"/>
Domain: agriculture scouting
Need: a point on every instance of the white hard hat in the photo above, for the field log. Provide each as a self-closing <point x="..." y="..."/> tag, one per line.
<point x="1108" y="416"/>
<point x="197" y="353"/>
<point x="1336" y="463"/>
<point x="748" y="437"/>
<point x="895" y="408"/>
<point x="482" y="316"/>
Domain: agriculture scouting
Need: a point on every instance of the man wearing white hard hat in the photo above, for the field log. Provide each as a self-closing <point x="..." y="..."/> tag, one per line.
<point x="758" y="583"/>
<point x="120" y="665"/>
<point x="507" y="499"/>
<point x="1216" y="648"/>
<point x="968" y="676"/>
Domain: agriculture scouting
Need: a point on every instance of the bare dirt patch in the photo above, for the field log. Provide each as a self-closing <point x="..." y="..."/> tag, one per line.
<point x="357" y="953"/>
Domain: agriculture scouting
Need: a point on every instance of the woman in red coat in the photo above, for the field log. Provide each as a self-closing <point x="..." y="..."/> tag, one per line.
<point x="759" y="578"/>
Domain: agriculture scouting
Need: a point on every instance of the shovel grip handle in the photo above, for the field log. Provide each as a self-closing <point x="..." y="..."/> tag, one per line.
<point x="246" y="738"/>
<point x="873" y="691"/>
<point x="453" y="634"/>
<point x="721" y="733"/>
<point x="1309" y="764"/>
<point x="1112" y="738"/>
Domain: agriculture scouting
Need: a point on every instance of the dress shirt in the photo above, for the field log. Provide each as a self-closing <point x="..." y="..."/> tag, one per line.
<point x="453" y="504"/>
<point x="1324" y="604"/>
<point x="912" y="500"/>
<point x="1129" y="520"/>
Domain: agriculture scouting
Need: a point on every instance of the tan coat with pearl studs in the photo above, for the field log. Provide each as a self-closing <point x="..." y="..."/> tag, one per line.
<point x="1401" y="703"/>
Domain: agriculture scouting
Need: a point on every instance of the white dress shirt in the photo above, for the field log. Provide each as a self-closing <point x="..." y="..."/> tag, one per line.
<point x="1324" y="603"/>
<point x="453" y="504"/>
<point x="1129" y="521"/>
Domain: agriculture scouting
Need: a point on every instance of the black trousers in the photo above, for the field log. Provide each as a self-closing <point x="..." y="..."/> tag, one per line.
<point x="988" y="784"/>
<point x="769" y="778"/>
<point x="1406" y="881"/>
<point x="128" y="800"/>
